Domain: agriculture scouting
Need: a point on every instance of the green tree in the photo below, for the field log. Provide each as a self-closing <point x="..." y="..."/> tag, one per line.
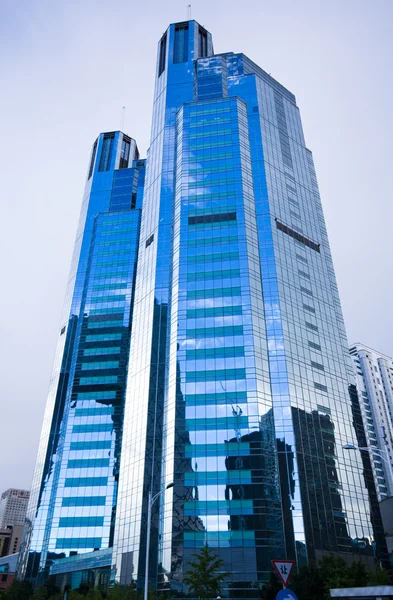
<point x="94" y="594"/>
<point x="122" y="592"/>
<point x="270" y="590"/>
<point x="316" y="581"/>
<point x="76" y="595"/>
<point x="48" y="591"/>
<point x="18" y="590"/>
<point x="203" y="576"/>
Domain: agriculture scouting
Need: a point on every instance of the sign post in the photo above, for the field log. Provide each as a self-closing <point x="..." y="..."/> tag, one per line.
<point x="283" y="569"/>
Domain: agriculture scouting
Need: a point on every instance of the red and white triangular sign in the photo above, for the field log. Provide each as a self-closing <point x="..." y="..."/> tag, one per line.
<point x="283" y="569"/>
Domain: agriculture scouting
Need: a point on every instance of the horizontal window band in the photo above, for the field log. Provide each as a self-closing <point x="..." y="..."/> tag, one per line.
<point x="96" y="396"/>
<point x="227" y="449"/>
<point x="212" y="218"/>
<point x="309" y="308"/>
<point x="109" y="286"/>
<point x="111" y="274"/>
<point x="98" y="380"/>
<point x="104" y="324"/>
<point x="88" y="463"/>
<point x="316" y="365"/>
<point x="81" y="522"/>
<point x="297" y="236"/>
<point x="102" y="351"/>
<point x="106" y="311"/>
<point x="212" y="241"/>
<point x="94" y="412"/>
<point x="214" y="293"/>
<point x="215" y="331"/>
<point x="306" y="291"/>
<point x="92" y="428"/>
<point x="65" y="543"/>
<point x="94" y="445"/>
<point x="217" y="478"/>
<point x="219" y="274"/>
<point x="206" y="353"/>
<point x="86" y="481"/>
<point x="84" y="501"/>
<point x="216" y="375"/>
<point x="220" y="398"/>
<point x="314" y="346"/>
<point x="219" y="423"/>
<point x="219" y="507"/>
<point x="207" y="258"/>
<point x="102" y="299"/>
<point x="219" y="311"/>
<point x="320" y="387"/>
<point x="105" y="364"/>
<point x="103" y="337"/>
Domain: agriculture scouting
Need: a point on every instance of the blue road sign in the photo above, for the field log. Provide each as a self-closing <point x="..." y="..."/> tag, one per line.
<point x="286" y="595"/>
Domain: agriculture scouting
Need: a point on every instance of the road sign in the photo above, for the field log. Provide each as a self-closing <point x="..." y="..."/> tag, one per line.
<point x="283" y="568"/>
<point x="286" y="595"/>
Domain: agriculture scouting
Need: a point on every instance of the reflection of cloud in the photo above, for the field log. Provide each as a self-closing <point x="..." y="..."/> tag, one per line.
<point x="275" y="345"/>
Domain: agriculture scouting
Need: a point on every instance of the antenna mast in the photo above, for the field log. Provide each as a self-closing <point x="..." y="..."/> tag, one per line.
<point x="122" y="117"/>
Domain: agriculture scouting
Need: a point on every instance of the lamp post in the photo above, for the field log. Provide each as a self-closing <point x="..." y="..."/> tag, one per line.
<point x="382" y="453"/>
<point x="150" y="503"/>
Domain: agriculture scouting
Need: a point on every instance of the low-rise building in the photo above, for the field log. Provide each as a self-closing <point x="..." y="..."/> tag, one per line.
<point x="7" y="570"/>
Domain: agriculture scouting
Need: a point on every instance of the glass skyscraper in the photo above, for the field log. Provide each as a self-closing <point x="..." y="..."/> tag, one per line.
<point x="202" y="344"/>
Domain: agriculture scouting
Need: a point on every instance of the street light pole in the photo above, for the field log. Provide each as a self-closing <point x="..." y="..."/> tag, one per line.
<point x="150" y="503"/>
<point x="382" y="453"/>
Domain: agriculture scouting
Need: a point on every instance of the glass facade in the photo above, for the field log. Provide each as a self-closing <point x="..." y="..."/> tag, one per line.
<point x="73" y="502"/>
<point x="204" y="346"/>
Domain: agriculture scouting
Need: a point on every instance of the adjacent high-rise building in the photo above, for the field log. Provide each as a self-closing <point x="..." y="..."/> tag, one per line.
<point x="202" y="345"/>
<point x="13" y="507"/>
<point x="374" y="381"/>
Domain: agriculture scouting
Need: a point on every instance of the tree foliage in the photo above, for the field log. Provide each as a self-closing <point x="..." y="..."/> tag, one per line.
<point x="315" y="581"/>
<point x="18" y="590"/>
<point x="203" y="577"/>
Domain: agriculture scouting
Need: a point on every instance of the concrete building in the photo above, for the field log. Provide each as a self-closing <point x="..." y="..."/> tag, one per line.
<point x="374" y="381"/>
<point x="13" y="507"/>
<point x="10" y="539"/>
<point x="7" y="570"/>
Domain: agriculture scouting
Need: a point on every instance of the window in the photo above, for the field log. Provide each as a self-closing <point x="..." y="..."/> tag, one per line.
<point x="304" y="274"/>
<point x="320" y="387"/>
<point x="149" y="240"/>
<point x="314" y="346"/>
<point x="215" y="218"/>
<point x="316" y="365"/>
<point x="84" y="501"/>
<point x="124" y="153"/>
<point x="297" y="236"/>
<point x="93" y="157"/>
<point x="309" y="308"/>
<point x="202" y="36"/>
<point x="161" y="62"/>
<point x="106" y="152"/>
<point x="306" y="291"/>
<point x="180" y="52"/>
<point x="62" y="330"/>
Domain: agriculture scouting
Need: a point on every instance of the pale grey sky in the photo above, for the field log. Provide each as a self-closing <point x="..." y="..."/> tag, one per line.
<point x="67" y="68"/>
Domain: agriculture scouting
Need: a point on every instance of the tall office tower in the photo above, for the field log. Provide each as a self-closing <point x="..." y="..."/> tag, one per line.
<point x="239" y="386"/>
<point x="72" y="507"/>
<point x="13" y="506"/>
<point x="374" y="381"/>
